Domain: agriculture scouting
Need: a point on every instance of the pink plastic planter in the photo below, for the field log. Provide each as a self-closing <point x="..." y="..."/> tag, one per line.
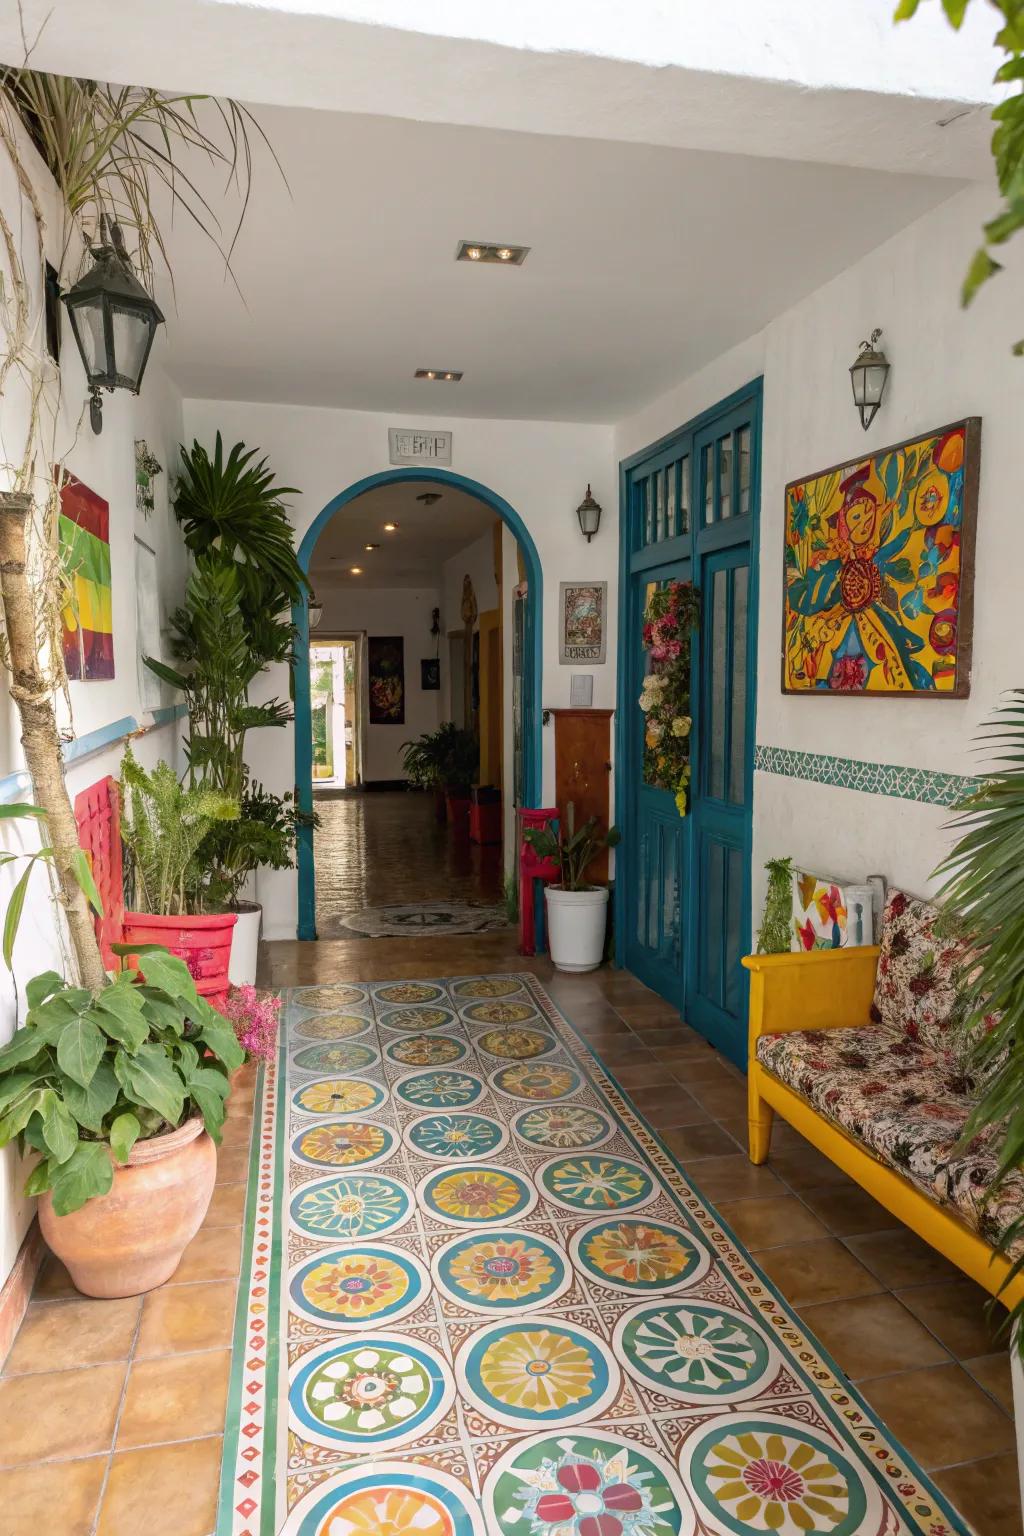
<point x="204" y="943"/>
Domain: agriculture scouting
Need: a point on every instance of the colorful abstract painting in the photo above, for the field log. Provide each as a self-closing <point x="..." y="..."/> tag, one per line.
<point x="386" y="666"/>
<point x="879" y="568"/>
<point x="84" y="532"/>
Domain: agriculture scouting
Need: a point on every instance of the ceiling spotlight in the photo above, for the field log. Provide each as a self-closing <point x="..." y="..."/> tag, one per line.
<point x="444" y="375"/>
<point x="368" y="547"/>
<point x="497" y="254"/>
<point x="390" y="527"/>
<point x="356" y="570"/>
<point x="428" y="498"/>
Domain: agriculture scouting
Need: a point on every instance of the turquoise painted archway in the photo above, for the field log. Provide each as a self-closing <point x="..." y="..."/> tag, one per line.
<point x="532" y="659"/>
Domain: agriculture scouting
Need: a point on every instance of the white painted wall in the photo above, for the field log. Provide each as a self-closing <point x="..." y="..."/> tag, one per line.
<point x="540" y="468"/>
<point x="946" y="363"/>
<point x="106" y="464"/>
<point x="401" y="611"/>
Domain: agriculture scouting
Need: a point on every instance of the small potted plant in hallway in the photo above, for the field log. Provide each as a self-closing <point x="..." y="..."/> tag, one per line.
<point x="577" y="909"/>
<point x="445" y="759"/>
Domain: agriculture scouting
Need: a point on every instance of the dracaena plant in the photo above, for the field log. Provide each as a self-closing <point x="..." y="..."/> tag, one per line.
<point x="91" y="1073"/>
<point x="572" y="848"/>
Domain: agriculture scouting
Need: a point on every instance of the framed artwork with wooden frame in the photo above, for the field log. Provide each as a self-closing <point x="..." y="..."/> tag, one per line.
<point x="878" y="583"/>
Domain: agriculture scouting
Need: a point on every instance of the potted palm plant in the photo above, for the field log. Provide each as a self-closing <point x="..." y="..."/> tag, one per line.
<point x="577" y="909"/>
<point x="460" y="756"/>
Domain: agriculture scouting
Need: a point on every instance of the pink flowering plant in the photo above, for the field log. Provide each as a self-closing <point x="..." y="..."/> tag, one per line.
<point x="255" y="1018"/>
<point x="672" y="615"/>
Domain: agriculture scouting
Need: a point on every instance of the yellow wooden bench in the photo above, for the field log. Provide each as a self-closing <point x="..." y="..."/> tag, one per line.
<point x="833" y="989"/>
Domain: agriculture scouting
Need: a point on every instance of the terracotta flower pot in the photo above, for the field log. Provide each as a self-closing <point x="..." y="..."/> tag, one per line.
<point x="132" y="1239"/>
<point x="203" y="942"/>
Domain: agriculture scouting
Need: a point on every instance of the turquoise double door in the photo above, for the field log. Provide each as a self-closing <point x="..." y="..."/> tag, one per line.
<point x="690" y="514"/>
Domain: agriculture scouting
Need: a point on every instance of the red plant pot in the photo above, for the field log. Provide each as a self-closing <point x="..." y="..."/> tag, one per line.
<point x="458" y="813"/>
<point x="204" y="943"/>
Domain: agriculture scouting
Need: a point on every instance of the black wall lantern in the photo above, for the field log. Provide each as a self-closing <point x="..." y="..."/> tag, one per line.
<point x="589" y="514"/>
<point x="114" y="321"/>
<point x="868" y="374"/>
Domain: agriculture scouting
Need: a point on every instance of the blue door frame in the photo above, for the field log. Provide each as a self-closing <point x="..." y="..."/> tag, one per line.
<point x="533" y="654"/>
<point x="664" y="884"/>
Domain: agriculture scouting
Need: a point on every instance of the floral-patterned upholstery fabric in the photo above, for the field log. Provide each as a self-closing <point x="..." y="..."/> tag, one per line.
<point x="920" y="975"/>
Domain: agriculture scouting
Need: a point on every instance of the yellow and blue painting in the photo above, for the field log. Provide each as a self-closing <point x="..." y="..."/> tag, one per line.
<point x="879" y="556"/>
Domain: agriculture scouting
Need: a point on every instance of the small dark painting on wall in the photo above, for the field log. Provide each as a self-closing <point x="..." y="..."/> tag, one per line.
<point x="386" y="667"/>
<point x="430" y="675"/>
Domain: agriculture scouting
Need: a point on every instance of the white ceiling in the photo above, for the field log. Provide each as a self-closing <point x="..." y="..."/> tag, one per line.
<point x="646" y="263"/>
<point x="412" y="557"/>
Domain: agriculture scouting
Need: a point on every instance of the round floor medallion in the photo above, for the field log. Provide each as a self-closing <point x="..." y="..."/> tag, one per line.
<point x="329" y="996"/>
<point x="416" y="1020"/>
<point x="456" y="1137"/>
<point x="338" y="1096"/>
<point x="768" y="1474"/>
<point x="694" y="1351"/>
<point x="478" y="1194"/>
<point x="568" y="1126"/>
<point x="356" y="1205"/>
<point x="499" y="1011"/>
<point x="342" y="1056"/>
<point x="585" y="1485"/>
<point x="505" y="1272"/>
<point x="639" y="1256"/>
<point x="381" y="1498"/>
<point x="408" y="992"/>
<point x="343" y="1144"/>
<point x="333" y="1026"/>
<point x="487" y="986"/>
<point x="350" y="1287"/>
<point x="515" y="1044"/>
<point x="379" y="1390"/>
<point x="537" y="1080"/>
<point x="597" y="1183"/>
<point x="439" y="1089"/>
<point x="426" y="1051"/>
<point x="537" y="1372"/>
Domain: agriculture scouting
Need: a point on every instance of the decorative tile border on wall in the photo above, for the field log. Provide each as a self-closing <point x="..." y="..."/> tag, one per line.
<point x="872" y="778"/>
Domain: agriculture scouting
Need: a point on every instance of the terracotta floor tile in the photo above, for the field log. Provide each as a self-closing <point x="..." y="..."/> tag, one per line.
<point x="694" y="1142"/>
<point x="958" y="1314"/>
<point x="993" y="1373"/>
<point x="227" y="1208"/>
<point x="770" y="1223"/>
<point x="821" y="1271"/>
<point x="30" y="1497"/>
<point x="987" y="1493"/>
<point x="804" y="1167"/>
<point x="645" y="1075"/>
<point x="871" y="1335"/>
<point x="623" y="1051"/>
<point x="722" y="1100"/>
<point x="213" y="1254"/>
<point x="175" y="1397"/>
<point x="56" y="1335"/>
<point x="695" y="1065"/>
<point x="669" y="1106"/>
<point x="900" y="1258"/>
<point x="168" y="1490"/>
<point x="59" y="1414"/>
<point x="735" y="1177"/>
<point x="186" y="1317"/>
<point x="856" y="1212"/>
<point x="940" y="1415"/>
<point x="53" y="1282"/>
<point x="236" y="1134"/>
<point x="232" y="1166"/>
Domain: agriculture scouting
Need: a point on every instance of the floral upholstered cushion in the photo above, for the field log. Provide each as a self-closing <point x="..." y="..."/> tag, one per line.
<point x="968" y="1178"/>
<point x="918" y="985"/>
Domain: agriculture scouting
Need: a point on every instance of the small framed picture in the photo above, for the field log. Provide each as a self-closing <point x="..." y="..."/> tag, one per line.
<point x="430" y="675"/>
<point x="582" y="607"/>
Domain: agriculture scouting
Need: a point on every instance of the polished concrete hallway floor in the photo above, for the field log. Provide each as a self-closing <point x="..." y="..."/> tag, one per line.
<point x="112" y="1412"/>
<point x="384" y="847"/>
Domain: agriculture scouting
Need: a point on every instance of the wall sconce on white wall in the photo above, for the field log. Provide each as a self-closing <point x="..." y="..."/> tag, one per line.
<point x="589" y="514"/>
<point x="868" y="375"/>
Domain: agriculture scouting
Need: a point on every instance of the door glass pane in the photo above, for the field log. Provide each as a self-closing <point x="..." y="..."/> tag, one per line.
<point x="718" y="662"/>
<point x="659" y="522"/>
<point x="670" y="517"/>
<point x="743" y="450"/>
<point x="707" y="478"/>
<point x="650" y="769"/>
<point x="684" y="495"/>
<point x="643" y="489"/>
<point x="725" y="476"/>
<point x="738" y="734"/>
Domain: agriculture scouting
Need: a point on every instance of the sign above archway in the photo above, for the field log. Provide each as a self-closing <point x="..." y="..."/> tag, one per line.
<point x="415" y="445"/>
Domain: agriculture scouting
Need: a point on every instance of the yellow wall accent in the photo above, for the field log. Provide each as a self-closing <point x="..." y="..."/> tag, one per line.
<point x="489" y="624"/>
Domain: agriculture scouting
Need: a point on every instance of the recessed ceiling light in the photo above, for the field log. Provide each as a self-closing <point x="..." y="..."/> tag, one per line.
<point x="439" y="375"/>
<point x="368" y="547"/>
<point x="496" y="253"/>
<point x="390" y="527"/>
<point x="356" y="570"/>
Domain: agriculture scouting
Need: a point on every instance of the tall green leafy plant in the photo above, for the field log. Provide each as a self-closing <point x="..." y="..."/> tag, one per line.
<point x="572" y="848"/>
<point x="163" y="826"/>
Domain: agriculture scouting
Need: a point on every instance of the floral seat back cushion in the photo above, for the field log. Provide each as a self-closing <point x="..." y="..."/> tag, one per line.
<point x="921" y="974"/>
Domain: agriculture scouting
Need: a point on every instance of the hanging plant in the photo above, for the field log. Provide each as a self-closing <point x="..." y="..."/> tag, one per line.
<point x="672" y="615"/>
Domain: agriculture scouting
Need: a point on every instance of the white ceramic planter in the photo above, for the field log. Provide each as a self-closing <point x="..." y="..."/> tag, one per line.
<point x="245" y="941"/>
<point x="576" y="927"/>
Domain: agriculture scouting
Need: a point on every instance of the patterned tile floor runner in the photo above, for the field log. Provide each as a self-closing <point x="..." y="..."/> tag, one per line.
<point x="483" y="1300"/>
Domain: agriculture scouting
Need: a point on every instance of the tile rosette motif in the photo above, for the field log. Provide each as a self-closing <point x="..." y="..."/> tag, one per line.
<point x="415" y="1019"/>
<point x="426" y="1051"/>
<point x="358" y="1205"/>
<point x="695" y="1352"/>
<point x="456" y="1137"/>
<point x="569" y="1126"/>
<point x="336" y="1056"/>
<point x="501" y="1011"/>
<point x="329" y="997"/>
<point x="360" y="1285"/>
<point x="343" y="1144"/>
<point x="409" y="993"/>
<point x="507" y="1272"/>
<point x="439" y="1089"/>
<point x="333" y="1026"/>
<point x="515" y="1043"/>
<point x="596" y="1182"/>
<point x="639" y="1257"/>
<point x="474" y="987"/>
<point x="387" y="1499"/>
<point x="338" y="1096"/>
<point x="537" y="1371"/>
<point x="361" y="1394"/>
<point x="538" y="1081"/>
<point x="480" y="1195"/>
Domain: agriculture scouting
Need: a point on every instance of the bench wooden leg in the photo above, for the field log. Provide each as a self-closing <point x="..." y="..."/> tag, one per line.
<point x="759" y="1124"/>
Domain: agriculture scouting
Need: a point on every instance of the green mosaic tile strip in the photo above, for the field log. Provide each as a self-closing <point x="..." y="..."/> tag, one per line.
<point x="871" y="778"/>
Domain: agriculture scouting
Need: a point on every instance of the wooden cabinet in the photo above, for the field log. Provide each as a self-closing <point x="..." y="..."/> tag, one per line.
<point x="583" y="769"/>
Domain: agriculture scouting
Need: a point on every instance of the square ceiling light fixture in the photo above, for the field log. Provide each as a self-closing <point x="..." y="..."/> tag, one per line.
<point x="439" y="375"/>
<point x="483" y="251"/>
